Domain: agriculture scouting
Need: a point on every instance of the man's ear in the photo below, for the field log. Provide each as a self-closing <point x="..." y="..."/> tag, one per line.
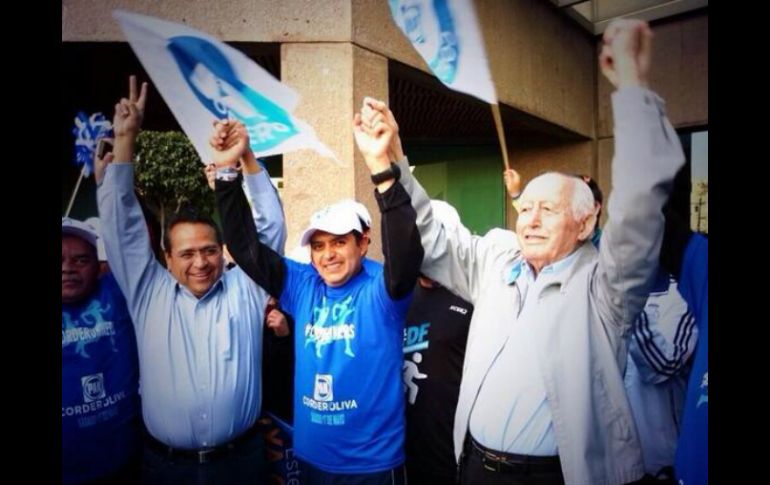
<point x="587" y="227"/>
<point x="363" y="243"/>
<point x="167" y="254"/>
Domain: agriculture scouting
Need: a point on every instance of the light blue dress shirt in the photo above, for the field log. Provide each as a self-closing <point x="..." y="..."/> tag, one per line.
<point x="513" y="391"/>
<point x="200" y="359"/>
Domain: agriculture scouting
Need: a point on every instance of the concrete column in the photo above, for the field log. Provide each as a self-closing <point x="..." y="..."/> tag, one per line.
<point x="332" y="79"/>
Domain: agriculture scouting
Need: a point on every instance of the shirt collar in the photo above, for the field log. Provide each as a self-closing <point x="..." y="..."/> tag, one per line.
<point x="219" y="284"/>
<point x="521" y="267"/>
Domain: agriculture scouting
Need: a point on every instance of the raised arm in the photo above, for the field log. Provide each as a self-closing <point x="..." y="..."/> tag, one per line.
<point x="647" y="156"/>
<point x="123" y="227"/>
<point x="263" y="264"/>
<point x="266" y="208"/>
<point x="447" y="252"/>
<point x="400" y="240"/>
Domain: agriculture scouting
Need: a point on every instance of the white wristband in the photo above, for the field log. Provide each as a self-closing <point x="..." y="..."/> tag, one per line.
<point x="228" y="174"/>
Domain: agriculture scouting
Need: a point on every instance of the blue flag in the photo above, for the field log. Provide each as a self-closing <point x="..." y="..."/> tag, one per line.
<point x="87" y="131"/>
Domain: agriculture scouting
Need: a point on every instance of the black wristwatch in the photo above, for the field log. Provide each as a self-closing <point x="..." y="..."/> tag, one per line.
<point x="393" y="172"/>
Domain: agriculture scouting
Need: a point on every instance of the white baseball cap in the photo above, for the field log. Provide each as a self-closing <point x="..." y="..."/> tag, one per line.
<point x="339" y="218"/>
<point x="361" y="210"/>
<point x="80" y="229"/>
<point x="96" y="224"/>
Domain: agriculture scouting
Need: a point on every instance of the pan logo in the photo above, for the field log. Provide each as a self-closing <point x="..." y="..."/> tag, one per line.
<point x="93" y="387"/>
<point x="323" y="391"/>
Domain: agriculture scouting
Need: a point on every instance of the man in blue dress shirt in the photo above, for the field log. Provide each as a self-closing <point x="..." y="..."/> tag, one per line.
<point x="198" y="328"/>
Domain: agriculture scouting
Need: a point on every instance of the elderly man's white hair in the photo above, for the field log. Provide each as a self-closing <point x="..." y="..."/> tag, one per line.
<point x="582" y="201"/>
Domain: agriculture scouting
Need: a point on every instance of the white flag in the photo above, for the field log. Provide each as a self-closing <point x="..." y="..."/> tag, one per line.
<point x="202" y="78"/>
<point x="446" y="34"/>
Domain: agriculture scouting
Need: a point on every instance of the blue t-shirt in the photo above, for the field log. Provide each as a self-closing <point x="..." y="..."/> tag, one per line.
<point x="691" y="465"/>
<point x="348" y="397"/>
<point x="100" y="406"/>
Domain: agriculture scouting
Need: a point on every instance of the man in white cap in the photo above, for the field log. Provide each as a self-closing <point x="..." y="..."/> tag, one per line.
<point x="101" y="418"/>
<point x="301" y="253"/>
<point x="348" y="399"/>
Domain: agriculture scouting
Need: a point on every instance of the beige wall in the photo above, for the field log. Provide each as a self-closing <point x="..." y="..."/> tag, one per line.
<point x="679" y="74"/>
<point x="542" y="62"/>
<point x="229" y="20"/>
<point x="334" y="52"/>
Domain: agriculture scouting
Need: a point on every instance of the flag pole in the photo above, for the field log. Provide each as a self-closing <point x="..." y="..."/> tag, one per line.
<point x="500" y="134"/>
<point x="75" y="192"/>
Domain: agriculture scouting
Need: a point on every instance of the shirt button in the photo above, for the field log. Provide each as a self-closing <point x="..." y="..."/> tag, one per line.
<point x="203" y="416"/>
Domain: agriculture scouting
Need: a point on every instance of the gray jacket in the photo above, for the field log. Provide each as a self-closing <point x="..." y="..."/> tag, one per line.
<point x="584" y="313"/>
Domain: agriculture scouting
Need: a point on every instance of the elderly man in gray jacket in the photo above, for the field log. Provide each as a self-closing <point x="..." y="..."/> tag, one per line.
<point x="542" y="397"/>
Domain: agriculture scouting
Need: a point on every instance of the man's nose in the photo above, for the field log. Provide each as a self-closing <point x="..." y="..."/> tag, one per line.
<point x="200" y="260"/>
<point x="534" y="218"/>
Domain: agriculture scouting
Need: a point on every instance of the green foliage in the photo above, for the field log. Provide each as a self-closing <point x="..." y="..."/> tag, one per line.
<point x="169" y="174"/>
